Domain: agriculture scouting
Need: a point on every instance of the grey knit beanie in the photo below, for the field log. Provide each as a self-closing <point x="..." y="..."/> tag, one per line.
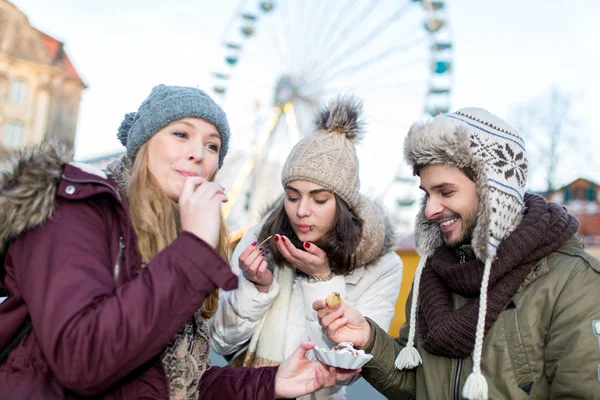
<point x="328" y="156"/>
<point x="167" y="104"/>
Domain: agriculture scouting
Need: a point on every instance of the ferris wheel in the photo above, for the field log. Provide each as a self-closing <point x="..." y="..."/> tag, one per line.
<point x="279" y="61"/>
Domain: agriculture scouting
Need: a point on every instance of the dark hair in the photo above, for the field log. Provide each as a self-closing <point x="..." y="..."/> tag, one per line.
<point x="340" y="243"/>
<point x="466" y="170"/>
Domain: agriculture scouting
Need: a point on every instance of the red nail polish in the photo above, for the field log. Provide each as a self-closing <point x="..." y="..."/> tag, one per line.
<point x="307" y="245"/>
<point x="254" y="243"/>
<point x="260" y="249"/>
<point x="276" y="238"/>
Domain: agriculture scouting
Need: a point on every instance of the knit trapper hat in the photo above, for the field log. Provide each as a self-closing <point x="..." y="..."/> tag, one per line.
<point x="474" y="139"/>
<point x="167" y="104"/>
<point x="328" y="156"/>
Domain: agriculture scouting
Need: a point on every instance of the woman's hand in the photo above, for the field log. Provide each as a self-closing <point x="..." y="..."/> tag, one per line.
<point x="312" y="262"/>
<point x="343" y="323"/>
<point x="298" y="376"/>
<point x="254" y="267"/>
<point x="200" y="208"/>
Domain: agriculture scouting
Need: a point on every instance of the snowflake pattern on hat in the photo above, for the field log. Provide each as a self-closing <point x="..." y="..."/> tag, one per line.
<point x="502" y="152"/>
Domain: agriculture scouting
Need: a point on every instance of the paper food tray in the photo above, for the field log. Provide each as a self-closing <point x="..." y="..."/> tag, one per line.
<point x="344" y="360"/>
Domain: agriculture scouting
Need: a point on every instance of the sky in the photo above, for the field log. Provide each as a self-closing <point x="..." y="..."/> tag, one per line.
<point x="506" y="54"/>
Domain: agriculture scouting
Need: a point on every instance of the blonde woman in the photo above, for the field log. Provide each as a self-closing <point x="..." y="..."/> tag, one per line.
<point x="112" y="277"/>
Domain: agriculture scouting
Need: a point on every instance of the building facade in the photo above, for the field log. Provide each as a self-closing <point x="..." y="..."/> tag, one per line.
<point x="40" y="90"/>
<point x="582" y="198"/>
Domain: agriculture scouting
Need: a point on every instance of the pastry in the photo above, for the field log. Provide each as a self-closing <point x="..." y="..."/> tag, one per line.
<point x="333" y="299"/>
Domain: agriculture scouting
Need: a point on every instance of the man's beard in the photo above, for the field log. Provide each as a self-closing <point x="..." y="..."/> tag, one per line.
<point x="466" y="234"/>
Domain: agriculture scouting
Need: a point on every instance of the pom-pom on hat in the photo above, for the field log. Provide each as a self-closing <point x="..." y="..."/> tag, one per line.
<point x="328" y="156"/>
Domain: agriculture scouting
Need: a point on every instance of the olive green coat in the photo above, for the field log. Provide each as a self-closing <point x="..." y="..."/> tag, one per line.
<point x="542" y="346"/>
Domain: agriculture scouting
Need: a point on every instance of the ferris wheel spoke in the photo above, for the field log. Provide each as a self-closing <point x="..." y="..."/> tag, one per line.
<point x="330" y="30"/>
<point x="318" y="34"/>
<point x="275" y="41"/>
<point x="250" y="163"/>
<point x="361" y="66"/>
<point x="367" y="88"/>
<point x="304" y="31"/>
<point x="370" y="61"/>
<point x="321" y="59"/>
<point x="287" y="20"/>
<point x="278" y="37"/>
<point x="352" y="49"/>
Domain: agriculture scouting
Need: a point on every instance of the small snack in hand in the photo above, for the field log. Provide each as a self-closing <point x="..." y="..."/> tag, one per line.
<point x="347" y="348"/>
<point x="333" y="299"/>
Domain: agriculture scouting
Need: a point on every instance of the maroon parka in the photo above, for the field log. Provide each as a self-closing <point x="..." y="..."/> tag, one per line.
<point x="100" y="321"/>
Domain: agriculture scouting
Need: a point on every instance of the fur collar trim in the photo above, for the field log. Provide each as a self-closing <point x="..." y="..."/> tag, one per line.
<point x="28" y="187"/>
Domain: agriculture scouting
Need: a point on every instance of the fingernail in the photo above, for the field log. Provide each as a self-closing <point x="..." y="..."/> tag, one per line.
<point x="307" y="245"/>
<point x="254" y="243"/>
<point x="262" y="254"/>
<point x="283" y="238"/>
<point x="260" y="249"/>
<point x="277" y="238"/>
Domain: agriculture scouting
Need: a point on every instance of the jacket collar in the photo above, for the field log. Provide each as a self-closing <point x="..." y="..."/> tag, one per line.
<point x="80" y="181"/>
<point x="33" y="179"/>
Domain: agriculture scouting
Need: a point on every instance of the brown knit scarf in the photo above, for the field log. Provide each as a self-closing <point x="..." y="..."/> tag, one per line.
<point x="447" y="332"/>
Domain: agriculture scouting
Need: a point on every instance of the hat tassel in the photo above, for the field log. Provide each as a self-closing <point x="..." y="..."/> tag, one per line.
<point x="409" y="356"/>
<point x="476" y="387"/>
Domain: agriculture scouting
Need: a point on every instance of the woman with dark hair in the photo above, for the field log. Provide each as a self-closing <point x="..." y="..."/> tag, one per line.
<point x="321" y="237"/>
<point x="112" y="276"/>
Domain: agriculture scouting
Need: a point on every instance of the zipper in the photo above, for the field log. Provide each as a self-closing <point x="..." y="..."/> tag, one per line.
<point x="118" y="264"/>
<point x="116" y="192"/>
<point x="457" y="380"/>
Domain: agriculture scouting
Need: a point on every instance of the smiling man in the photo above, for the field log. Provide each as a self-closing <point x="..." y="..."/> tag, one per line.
<point x="505" y="300"/>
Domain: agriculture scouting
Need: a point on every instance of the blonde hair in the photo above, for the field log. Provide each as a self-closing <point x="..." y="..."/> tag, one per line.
<point x="155" y="218"/>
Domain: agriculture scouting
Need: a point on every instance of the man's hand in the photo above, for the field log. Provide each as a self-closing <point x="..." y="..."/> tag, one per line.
<point x="343" y="323"/>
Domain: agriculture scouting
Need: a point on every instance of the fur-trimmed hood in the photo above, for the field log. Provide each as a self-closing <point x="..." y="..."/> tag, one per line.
<point x="474" y="139"/>
<point x="28" y="187"/>
<point x="378" y="236"/>
<point x="30" y="181"/>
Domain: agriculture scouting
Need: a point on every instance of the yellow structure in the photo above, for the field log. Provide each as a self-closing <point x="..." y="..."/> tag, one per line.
<point x="40" y="90"/>
<point x="410" y="260"/>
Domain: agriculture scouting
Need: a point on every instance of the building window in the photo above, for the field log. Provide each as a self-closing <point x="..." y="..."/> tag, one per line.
<point x="13" y="134"/>
<point x="580" y="193"/>
<point x="18" y="91"/>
